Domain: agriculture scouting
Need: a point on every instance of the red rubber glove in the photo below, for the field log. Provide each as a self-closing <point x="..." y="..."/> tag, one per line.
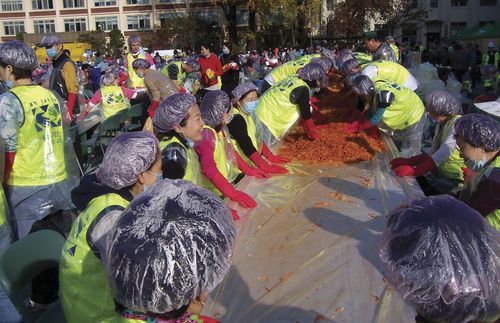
<point x="271" y="157"/>
<point x="206" y="319"/>
<point x="412" y="161"/>
<point x="182" y="90"/>
<point x="152" y="108"/>
<point x="231" y="193"/>
<point x="9" y="162"/>
<point x="71" y="104"/>
<point x="234" y="214"/>
<point x="427" y="165"/>
<point x="248" y="170"/>
<point x="468" y="174"/>
<point x="359" y="125"/>
<point x="262" y="164"/>
<point x="310" y="129"/>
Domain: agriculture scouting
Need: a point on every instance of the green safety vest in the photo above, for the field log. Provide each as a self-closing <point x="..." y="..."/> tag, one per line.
<point x="290" y="68"/>
<point x="226" y="166"/>
<point x="40" y="143"/>
<point x="5" y="231"/>
<point x="113" y="100"/>
<point x="252" y="133"/>
<point x="390" y="72"/>
<point x="486" y="58"/>
<point x="396" y="51"/>
<point x="275" y="109"/>
<point x="120" y="319"/>
<point x="405" y="110"/>
<point x="180" y="74"/>
<point x="452" y="167"/>
<point x="84" y="289"/>
<point x="193" y="169"/>
<point x="134" y="81"/>
<point x="494" y="217"/>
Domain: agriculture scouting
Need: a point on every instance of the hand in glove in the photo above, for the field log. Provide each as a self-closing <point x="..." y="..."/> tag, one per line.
<point x="256" y="172"/>
<point x="425" y="166"/>
<point x="412" y="161"/>
<point x="242" y="199"/>
<point x="359" y="125"/>
<point x="272" y="157"/>
<point x="262" y="164"/>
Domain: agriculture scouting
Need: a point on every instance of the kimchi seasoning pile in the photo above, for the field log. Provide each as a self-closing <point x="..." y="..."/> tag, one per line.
<point x="337" y="145"/>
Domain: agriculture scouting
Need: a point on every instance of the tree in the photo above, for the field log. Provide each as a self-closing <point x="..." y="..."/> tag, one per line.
<point x="404" y="12"/>
<point x="116" y="42"/>
<point x="96" y="38"/>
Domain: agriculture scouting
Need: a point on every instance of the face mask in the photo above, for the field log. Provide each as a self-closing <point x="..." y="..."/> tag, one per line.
<point x="225" y="50"/>
<point x="475" y="165"/>
<point x="51" y="52"/>
<point x="189" y="142"/>
<point x="9" y="84"/>
<point x="251" y="106"/>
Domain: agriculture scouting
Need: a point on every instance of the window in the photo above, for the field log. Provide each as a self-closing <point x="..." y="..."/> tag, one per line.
<point x="137" y="2"/>
<point x="458" y="3"/>
<point x="484" y="23"/>
<point x="42" y="4"/>
<point x="12" y="5"/>
<point x="409" y="33"/>
<point x="210" y="16"/>
<point x="106" y="23"/>
<point x="44" y="26"/>
<point x="13" y="27"/>
<point x="455" y="27"/>
<point x="433" y="3"/>
<point x="242" y="16"/>
<point x="138" y="22"/>
<point x="76" y="24"/>
<point x="484" y="3"/>
<point x="166" y="16"/>
<point x="74" y="3"/>
<point x="330" y="4"/>
<point x="104" y="3"/>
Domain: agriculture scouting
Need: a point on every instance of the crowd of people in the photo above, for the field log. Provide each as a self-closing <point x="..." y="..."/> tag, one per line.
<point x="148" y="234"/>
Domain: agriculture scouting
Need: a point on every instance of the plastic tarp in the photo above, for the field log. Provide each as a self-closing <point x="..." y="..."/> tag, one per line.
<point x="309" y="251"/>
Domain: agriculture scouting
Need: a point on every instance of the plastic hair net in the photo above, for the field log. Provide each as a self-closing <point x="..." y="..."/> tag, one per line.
<point x="444" y="258"/>
<point x="350" y="78"/>
<point x="40" y="75"/>
<point x="194" y="64"/>
<point x="480" y="130"/>
<point x="349" y="65"/>
<point x="141" y="63"/>
<point x="110" y="76"/>
<point x="134" y="39"/>
<point x="243" y="89"/>
<point x="329" y="55"/>
<point x="362" y="85"/>
<point x="171" y="244"/>
<point x="126" y="157"/>
<point x="213" y="107"/>
<point x="344" y="56"/>
<point x="311" y="72"/>
<point x="18" y="54"/>
<point x="50" y="40"/>
<point x="389" y="38"/>
<point x="326" y="63"/>
<point x="442" y="103"/>
<point x="172" y="111"/>
<point x="325" y="81"/>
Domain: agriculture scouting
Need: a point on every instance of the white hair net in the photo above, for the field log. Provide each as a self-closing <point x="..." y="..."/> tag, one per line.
<point x="170" y="245"/>
<point x="442" y="103"/>
<point x="172" y="111"/>
<point x="127" y="156"/>
<point x="349" y="65"/>
<point x="141" y="63"/>
<point x="134" y="39"/>
<point x="311" y="72"/>
<point x="110" y="76"/>
<point x="213" y="107"/>
<point x="362" y="85"/>
<point x="243" y="89"/>
<point x="480" y="130"/>
<point x="18" y="54"/>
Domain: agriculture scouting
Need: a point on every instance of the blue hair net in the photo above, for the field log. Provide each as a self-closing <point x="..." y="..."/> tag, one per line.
<point x="172" y="111"/>
<point x="18" y="54"/>
<point x="193" y="64"/>
<point x="134" y="39"/>
<point x="243" y="89"/>
<point x="311" y="72"/>
<point x="480" y="130"/>
<point x="349" y="65"/>
<point x="213" y="107"/>
<point x="325" y="62"/>
<point x="141" y="63"/>
<point x="442" y="103"/>
<point x="362" y="85"/>
<point x="50" y="40"/>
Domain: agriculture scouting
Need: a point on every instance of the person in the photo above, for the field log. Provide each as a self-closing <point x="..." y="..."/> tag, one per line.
<point x="491" y="56"/>
<point x="391" y="72"/>
<point x="392" y="43"/>
<point x="63" y="79"/>
<point x="40" y="165"/>
<point x="478" y="139"/>
<point x="159" y="86"/>
<point x="178" y="124"/>
<point x="211" y="70"/>
<point x="136" y="52"/>
<point x="281" y="106"/>
<point x="131" y="165"/>
<point x="231" y="65"/>
<point x="244" y="132"/>
<point x="220" y="164"/>
<point x="177" y="71"/>
<point x="443" y="166"/>
<point x="175" y="215"/>
<point x="395" y="110"/>
<point x="379" y="50"/>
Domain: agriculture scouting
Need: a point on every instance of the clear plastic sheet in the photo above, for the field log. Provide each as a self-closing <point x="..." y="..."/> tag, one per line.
<point x="309" y="251"/>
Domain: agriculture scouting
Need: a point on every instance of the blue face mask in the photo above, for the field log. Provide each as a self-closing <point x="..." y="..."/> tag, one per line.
<point x="251" y="106"/>
<point x="476" y="165"/>
<point x="159" y="177"/>
<point x="51" y="52"/>
<point x="189" y="142"/>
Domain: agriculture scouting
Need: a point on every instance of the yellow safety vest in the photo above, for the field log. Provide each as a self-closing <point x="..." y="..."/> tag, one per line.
<point x="405" y="110"/>
<point x="113" y="100"/>
<point x="225" y="163"/>
<point x="390" y="71"/>
<point x="452" y="167"/>
<point x="39" y="157"/>
<point x="193" y="169"/>
<point x="134" y="81"/>
<point x="180" y="74"/>
<point x="275" y="109"/>
<point x="290" y="68"/>
<point x="5" y="230"/>
<point x="363" y="58"/>
<point x="84" y="289"/>
<point x="396" y="51"/>
<point x="252" y="133"/>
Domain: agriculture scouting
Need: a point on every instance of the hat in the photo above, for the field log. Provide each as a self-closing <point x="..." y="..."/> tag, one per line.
<point x="50" y="40"/>
<point x="491" y="44"/>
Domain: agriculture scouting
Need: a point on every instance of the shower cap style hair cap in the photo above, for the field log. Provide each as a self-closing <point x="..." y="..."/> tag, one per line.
<point x="127" y="156"/>
<point x="345" y="55"/>
<point x="480" y="130"/>
<point x="134" y="39"/>
<point x="442" y="103"/>
<point x="172" y="111"/>
<point x="330" y="55"/>
<point x="213" y="107"/>
<point x="170" y="245"/>
<point x="311" y="72"/>
<point x="110" y="76"/>
<point x="349" y="79"/>
<point x="326" y="63"/>
<point x="141" y="63"/>
<point x="18" y="54"/>
<point x="194" y="64"/>
<point x="243" y="89"/>
<point x="348" y="65"/>
<point x="362" y="85"/>
<point x="443" y="257"/>
<point x="50" y="40"/>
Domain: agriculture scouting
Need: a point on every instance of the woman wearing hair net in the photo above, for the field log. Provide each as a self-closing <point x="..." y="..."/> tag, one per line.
<point x="443" y="165"/>
<point x="153" y="282"/>
<point x="40" y="165"/>
<point x="220" y="163"/>
<point x="244" y="132"/>
<point x="393" y="109"/>
<point x="391" y="72"/>
<point x="478" y="139"/>
<point x="281" y="106"/>
<point x="159" y="86"/>
<point x="131" y="165"/>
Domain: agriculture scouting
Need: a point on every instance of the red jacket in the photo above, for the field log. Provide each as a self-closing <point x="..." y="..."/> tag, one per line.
<point x="211" y="62"/>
